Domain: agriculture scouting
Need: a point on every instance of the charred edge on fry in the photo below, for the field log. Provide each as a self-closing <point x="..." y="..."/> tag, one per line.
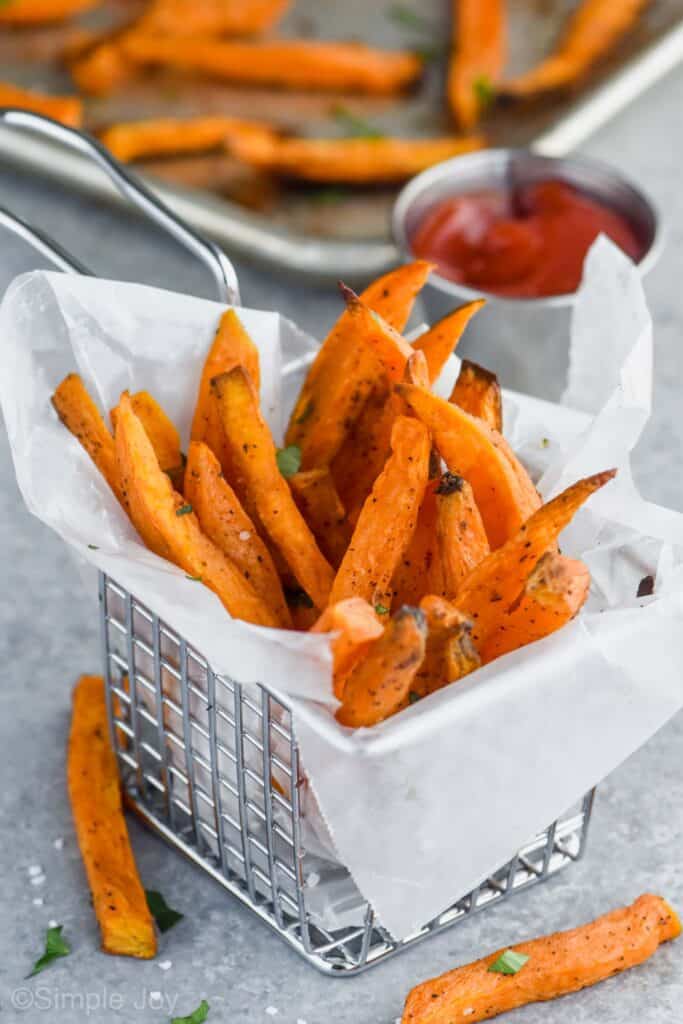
<point x="450" y="483"/>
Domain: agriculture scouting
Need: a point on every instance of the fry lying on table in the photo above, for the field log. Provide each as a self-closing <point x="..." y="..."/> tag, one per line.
<point x="545" y="968"/>
<point x="400" y="520"/>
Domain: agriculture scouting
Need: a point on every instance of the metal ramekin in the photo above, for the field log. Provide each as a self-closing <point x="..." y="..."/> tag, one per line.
<point x="525" y="341"/>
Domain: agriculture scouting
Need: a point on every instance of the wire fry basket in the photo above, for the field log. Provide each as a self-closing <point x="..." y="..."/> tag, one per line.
<point x="213" y="766"/>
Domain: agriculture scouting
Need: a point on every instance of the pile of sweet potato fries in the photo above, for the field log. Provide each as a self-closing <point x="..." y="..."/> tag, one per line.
<point x="401" y="522"/>
<point x="224" y="39"/>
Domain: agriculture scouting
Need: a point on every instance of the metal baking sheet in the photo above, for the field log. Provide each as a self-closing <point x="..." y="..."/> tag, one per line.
<point x="322" y="232"/>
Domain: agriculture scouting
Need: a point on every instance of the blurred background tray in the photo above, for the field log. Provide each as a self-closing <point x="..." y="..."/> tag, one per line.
<point x="330" y="232"/>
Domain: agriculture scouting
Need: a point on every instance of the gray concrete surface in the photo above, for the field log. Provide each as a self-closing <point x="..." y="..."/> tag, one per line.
<point x="48" y="636"/>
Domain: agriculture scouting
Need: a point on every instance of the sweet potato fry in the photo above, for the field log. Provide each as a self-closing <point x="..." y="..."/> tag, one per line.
<point x="38" y="12"/>
<point x="491" y="589"/>
<point x="478" y="57"/>
<point x="367" y="445"/>
<point x="357" y="624"/>
<point x="119" y="900"/>
<point x="135" y="140"/>
<point x="254" y="457"/>
<point x="320" y="505"/>
<point x="502" y="489"/>
<point x="303" y="612"/>
<point x="417" y="370"/>
<point x="80" y="415"/>
<point x="344" y="373"/>
<point x="449" y="654"/>
<point x="154" y="506"/>
<point x="379" y="685"/>
<point x="162" y="433"/>
<point x="211" y="17"/>
<point x="419" y="571"/>
<point x="557" y="965"/>
<point x="231" y="347"/>
<point x="102" y="68"/>
<point x="366" y="448"/>
<point x="387" y="521"/>
<point x="594" y="28"/>
<point x="225" y="522"/>
<point x="390" y="348"/>
<point x="441" y="340"/>
<point x="554" y="593"/>
<point x="348" y="161"/>
<point x="287" y="63"/>
<point x="393" y="294"/>
<point x="67" y="109"/>
<point x="477" y="391"/>
<point x="460" y="533"/>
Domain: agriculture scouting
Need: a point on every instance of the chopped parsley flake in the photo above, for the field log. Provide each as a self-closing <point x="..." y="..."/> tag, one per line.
<point x="484" y="90"/>
<point x="509" y="962"/>
<point x="55" y="947"/>
<point x="164" y="915"/>
<point x="289" y="460"/>
<point x="356" y="127"/>
<point x="403" y="15"/>
<point x="197" y="1016"/>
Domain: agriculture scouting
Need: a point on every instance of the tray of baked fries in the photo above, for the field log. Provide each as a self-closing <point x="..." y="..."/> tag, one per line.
<point x="284" y="129"/>
<point x="355" y="567"/>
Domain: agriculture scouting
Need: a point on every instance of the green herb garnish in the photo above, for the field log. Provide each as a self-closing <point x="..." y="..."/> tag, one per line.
<point x="413" y="697"/>
<point x="545" y="442"/>
<point x="92" y="547"/>
<point x="198" y="1016"/>
<point x="484" y="90"/>
<point x="328" y="197"/>
<point x="427" y="54"/>
<point x="195" y="579"/>
<point x="55" y="947"/>
<point x="403" y="15"/>
<point x="164" y="915"/>
<point x="509" y="962"/>
<point x="356" y="127"/>
<point x="381" y="609"/>
<point x="288" y="460"/>
<point x="184" y="510"/>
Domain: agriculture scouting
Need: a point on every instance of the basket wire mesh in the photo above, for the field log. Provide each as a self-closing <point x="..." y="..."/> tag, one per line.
<point x="214" y="768"/>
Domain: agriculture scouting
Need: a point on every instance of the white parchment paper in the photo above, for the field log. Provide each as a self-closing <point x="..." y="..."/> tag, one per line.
<point x="424" y="806"/>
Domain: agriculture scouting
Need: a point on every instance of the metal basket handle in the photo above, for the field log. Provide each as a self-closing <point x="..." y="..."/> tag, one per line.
<point x="131" y="188"/>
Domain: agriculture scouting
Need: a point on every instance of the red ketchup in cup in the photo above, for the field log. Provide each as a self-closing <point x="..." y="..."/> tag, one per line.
<point x="526" y="242"/>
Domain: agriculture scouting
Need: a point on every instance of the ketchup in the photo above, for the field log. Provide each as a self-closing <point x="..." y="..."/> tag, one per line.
<point x="524" y="243"/>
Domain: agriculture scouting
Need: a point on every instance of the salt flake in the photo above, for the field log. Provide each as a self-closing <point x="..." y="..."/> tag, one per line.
<point x="244" y="535"/>
<point x="34" y="870"/>
<point x="58" y="843"/>
<point x="312" y="879"/>
<point x="272" y="1011"/>
<point x="37" y="879"/>
<point x="165" y="965"/>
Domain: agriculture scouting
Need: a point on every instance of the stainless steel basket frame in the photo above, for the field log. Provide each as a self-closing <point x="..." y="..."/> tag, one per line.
<point x="213" y="766"/>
